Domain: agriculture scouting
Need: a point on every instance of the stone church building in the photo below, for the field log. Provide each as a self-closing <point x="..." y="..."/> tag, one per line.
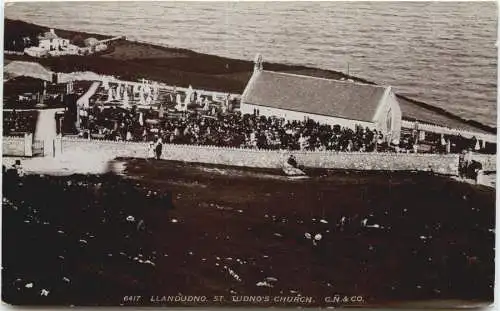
<point x="346" y="103"/>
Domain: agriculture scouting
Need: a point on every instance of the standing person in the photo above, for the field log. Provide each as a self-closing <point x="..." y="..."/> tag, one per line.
<point x="467" y="161"/>
<point x="462" y="167"/>
<point x="443" y="143"/>
<point x="158" y="149"/>
<point x="151" y="151"/>
<point x="292" y="161"/>
<point x="19" y="169"/>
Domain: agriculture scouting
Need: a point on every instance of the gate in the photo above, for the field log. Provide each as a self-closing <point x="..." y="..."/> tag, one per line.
<point x="38" y="148"/>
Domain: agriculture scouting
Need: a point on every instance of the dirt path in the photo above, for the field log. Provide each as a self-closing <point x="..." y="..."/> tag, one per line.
<point x="66" y="165"/>
<point x="46" y="124"/>
<point x="46" y="128"/>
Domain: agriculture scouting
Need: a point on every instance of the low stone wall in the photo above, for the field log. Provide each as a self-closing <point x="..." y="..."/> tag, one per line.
<point x="444" y="164"/>
<point x="111" y="149"/>
<point x="17" y="146"/>
<point x="489" y="161"/>
<point x="13" y="146"/>
<point x="13" y="53"/>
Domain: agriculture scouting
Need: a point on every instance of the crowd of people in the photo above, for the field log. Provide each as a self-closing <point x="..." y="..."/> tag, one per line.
<point x="231" y="130"/>
<point x="19" y="122"/>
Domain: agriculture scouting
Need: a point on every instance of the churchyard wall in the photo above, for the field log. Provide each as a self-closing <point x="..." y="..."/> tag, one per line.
<point x="444" y="164"/>
<point x="489" y="161"/>
<point x="17" y="146"/>
<point x="13" y="146"/>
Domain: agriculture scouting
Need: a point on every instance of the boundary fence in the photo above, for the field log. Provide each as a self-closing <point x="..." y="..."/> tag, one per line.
<point x="444" y="164"/>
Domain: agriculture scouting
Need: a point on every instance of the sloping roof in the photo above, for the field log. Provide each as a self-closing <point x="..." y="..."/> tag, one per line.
<point x="308" y="94"/>
<point x="27" y="69"/>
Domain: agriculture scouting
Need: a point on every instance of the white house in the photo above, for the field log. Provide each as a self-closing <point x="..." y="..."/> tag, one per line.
<point x="52" y="45"/>
<point x="50" y="41"/>
<point x="70" y="49"/>
<point x="35" y="51"/>
<point x="298" y="97"/>
<point x="92" y="45"/>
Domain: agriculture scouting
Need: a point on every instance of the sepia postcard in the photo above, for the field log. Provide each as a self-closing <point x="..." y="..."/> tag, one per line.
<point x="249" y="154"/>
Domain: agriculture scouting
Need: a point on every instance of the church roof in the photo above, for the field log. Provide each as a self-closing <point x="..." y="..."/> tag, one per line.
<point x="313" y="95"/>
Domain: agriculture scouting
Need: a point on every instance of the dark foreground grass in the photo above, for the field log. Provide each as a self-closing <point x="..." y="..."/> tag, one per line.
<point x="213" y="230"/>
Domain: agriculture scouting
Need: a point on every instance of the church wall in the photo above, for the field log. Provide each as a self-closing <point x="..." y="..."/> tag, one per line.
<point x="389" y="109"/>
<point x="301" y="116"/>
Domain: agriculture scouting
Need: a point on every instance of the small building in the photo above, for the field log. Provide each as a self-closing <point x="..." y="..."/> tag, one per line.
<point x="36" y="51"/>
<point x="92" y="45"/>
<point x="50" y="41"/>
<point x="299" y="97"/>
<point x="101" y="47"/>
<point x="70" y="49"/>
<point x="91" y="41"/>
